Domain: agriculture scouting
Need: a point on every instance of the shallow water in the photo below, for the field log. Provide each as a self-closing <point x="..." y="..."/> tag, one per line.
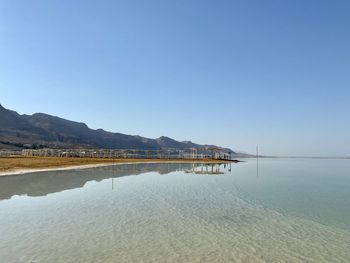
<point x="290" y="210"/>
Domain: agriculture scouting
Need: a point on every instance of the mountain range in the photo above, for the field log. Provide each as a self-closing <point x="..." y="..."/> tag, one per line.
<point x="46" y="131"/>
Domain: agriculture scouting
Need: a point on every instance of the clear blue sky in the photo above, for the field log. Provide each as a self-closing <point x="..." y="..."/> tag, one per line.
<point x="232" y="73"/>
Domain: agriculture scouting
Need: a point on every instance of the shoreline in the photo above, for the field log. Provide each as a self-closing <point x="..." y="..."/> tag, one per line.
<point x="22" y="171"/>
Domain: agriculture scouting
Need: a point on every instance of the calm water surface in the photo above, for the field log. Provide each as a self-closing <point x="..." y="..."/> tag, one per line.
<point x="289" y="210"/>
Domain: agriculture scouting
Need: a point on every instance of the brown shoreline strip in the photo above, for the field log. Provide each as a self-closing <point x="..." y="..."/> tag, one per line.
<point x="21" y="165"/>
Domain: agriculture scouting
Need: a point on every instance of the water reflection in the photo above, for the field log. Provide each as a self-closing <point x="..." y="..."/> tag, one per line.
<point x="43" y="183"/>
<point x="209" y="169"/>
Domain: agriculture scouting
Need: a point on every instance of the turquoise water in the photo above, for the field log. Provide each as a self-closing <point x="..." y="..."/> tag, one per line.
<point x="289" y="210"/>
<point x="315" y="189"/>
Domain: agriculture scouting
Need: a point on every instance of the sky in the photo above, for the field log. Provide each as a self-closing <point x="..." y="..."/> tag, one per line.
<point x="231" y="73"/>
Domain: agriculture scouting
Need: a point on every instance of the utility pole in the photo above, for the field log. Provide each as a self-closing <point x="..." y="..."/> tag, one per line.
<point x="257" y="160"/>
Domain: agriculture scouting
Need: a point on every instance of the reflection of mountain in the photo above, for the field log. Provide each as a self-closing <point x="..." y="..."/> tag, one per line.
<point x="43" y="183"/>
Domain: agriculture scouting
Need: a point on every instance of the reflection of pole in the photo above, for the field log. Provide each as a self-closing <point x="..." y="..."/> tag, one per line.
<point x="257" y="161"/>
<point x="113" y="171"/>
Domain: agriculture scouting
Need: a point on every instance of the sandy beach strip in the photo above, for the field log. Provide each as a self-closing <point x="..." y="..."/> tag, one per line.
<point x="44" y="164"/>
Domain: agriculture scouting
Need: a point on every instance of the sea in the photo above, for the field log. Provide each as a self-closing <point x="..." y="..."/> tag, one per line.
<point x="266" y="210"/>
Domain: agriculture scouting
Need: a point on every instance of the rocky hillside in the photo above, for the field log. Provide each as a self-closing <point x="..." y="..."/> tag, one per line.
<point x="42" y="130"/>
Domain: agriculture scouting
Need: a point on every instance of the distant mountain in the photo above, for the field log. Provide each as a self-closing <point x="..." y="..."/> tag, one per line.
<point x="42" y="130"/>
